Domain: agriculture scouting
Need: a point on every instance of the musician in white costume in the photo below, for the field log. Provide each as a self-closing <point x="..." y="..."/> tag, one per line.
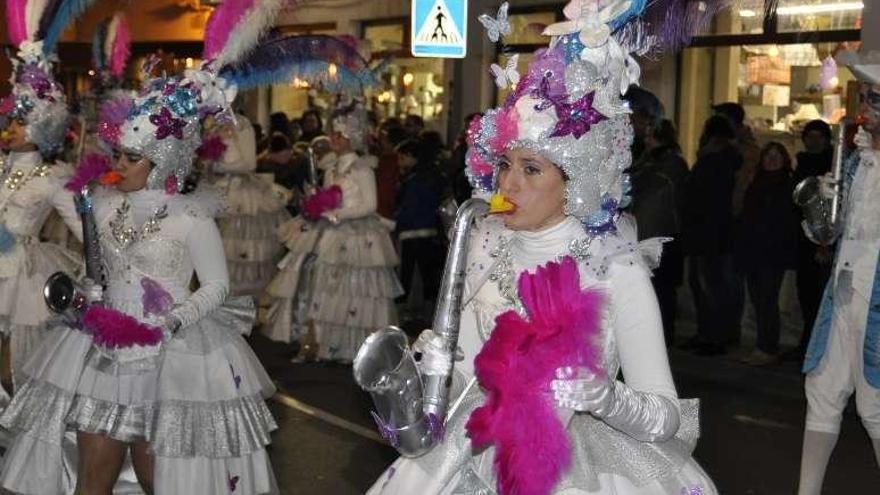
<point x="32" y="186"/>
<point x="351" y="287"/>
<point x="255" y="209"/>
<point x="556" y="151"/>
<point x="149" y="366"/>
<point x="843" y="357"/>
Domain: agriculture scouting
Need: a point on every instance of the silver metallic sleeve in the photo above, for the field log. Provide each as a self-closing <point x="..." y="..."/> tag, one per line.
<point x="644" y="416"/>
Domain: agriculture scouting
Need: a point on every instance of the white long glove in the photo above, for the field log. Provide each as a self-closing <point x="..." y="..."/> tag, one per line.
<point x="827" y="186"/>
<point x="644" y="416"/>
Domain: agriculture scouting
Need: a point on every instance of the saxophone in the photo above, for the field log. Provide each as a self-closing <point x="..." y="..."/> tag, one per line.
<point x="60" y="291"/>
<point x="411" y="405"/>
<point x="822" y="222"/>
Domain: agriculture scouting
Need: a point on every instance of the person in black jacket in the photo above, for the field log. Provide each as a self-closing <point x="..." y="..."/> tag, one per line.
<point x="708" y="234"/>
<point x="813" y="261"/>
<point x="767" y="244"/>
<point x="418" y="224"/>
<point x="658" y="179"/>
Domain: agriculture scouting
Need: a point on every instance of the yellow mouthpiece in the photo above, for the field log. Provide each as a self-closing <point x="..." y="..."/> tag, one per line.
<point x="500" y="204"/>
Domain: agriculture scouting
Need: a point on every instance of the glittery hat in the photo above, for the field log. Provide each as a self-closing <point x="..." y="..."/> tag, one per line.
<point x="37" y="100"/>
<point x="350" y="119"/>
<point x="568" y="106"/>
<point x="163" y="122"/>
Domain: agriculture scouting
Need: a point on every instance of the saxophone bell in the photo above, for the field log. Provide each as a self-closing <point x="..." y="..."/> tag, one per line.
<point x="62" y="294"/>
<point x="410" y="404"/>
<point x="822" y="220"/>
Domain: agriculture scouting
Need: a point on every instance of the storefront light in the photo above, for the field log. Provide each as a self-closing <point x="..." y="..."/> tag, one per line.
<point x="408" y="79"/>
<point x="822" y="8"/>
<point x="332" y="71"/>
<point x="189" y="62"/>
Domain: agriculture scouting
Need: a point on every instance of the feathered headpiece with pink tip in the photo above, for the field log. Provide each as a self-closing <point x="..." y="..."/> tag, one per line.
<point x="568" y="106"/>
<point x="111" y="48"/>
<point x="37" y="100"/>
<point x="163" y="122"/>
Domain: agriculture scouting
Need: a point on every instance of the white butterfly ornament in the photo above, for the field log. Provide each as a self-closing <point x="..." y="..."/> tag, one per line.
<point x="585" y="17"/>
<point x="508" y="75"/>
<point x="498" y="26"/>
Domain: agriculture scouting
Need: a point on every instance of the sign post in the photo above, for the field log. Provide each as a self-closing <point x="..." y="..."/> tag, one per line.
<point x="439" y="28"/>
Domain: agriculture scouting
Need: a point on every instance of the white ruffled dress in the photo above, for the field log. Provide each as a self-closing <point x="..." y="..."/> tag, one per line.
<point x="198" y="398"/>
<point x="350" y="289"/>
<point x="604" y="460"/>
<point x="29" y="191"/>
<point x="254" y="211"/>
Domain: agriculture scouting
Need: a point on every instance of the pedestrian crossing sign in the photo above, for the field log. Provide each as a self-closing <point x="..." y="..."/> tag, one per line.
<point x="439" y="28"/>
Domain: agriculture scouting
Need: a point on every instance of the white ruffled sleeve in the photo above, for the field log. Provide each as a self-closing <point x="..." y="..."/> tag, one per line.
<point x="62" y="200"/>
<point x="206" y="250"/>
<point x="359" y="200"/>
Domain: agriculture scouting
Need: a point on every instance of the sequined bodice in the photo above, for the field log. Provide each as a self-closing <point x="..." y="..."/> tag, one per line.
<point x="491" y="296"/>
<point x="160" y="254"/>
<point x="27" y="190"/>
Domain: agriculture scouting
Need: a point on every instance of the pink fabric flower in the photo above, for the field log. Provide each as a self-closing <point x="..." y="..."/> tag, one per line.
<point x="322" y="201"/>
<point x="113" y="329"/>
<point x="171" y="185"/>
<point x="506" y="130"/>
<point x="515" y="368"/>
<point x="156" y="300"/>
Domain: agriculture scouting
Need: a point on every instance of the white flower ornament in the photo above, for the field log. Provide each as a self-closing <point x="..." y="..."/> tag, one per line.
<point x="31" y="52"/>
<point x="585" y="17"/>
<point x="214" y="90"/>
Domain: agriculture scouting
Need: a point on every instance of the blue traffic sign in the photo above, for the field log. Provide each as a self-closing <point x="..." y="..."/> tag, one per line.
<point x="439" y="28"/>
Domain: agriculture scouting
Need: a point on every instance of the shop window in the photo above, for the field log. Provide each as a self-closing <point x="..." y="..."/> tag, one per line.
<point x="780" y="86"/>
<point x="526" y="28"/>
<point x="818" y="15"/>
<point x="385" y="37"/>
<point x="746" y="18"/>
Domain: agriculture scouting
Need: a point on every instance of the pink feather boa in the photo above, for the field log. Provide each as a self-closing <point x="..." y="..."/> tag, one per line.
<point x="322" y="201"/>
<point x="113" y="329"/>
<point x="515" y="368"/>
<point x="90" y="168"/>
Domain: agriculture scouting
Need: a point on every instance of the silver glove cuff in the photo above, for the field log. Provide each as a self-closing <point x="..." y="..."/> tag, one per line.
<point x="645" y="416"/>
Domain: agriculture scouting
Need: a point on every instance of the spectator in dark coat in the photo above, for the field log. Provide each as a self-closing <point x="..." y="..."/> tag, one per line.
<point x="813" y="261"/>
<point x="418" y="224"/>
<point x="658" y="179"/>
<point x="707" y="235"/>
<point x="767" y="244"/>
<point x="388" y="170"/>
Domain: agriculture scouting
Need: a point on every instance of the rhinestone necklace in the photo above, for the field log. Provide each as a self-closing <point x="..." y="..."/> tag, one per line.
<point x="125" y="236"/>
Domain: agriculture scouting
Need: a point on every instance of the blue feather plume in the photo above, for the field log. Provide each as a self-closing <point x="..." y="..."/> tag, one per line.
<point x="280" y="60"/>
<point x="98" y="45"/>
<point x="66" y="13"/>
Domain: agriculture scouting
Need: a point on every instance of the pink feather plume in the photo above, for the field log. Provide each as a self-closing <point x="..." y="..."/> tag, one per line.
<point x="15" y="18"/>
<point x="220" y="26"/>
<point x="113" y="329"/>
<point x="236" y="27"/>
<point x="121" y="47"/>
<point x="516" y="366"/>
<point x="90" y="168"/>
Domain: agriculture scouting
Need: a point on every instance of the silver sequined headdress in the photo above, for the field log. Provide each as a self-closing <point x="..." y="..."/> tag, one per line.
<point x="163" y="122"/>
<point x="350" y="120"/>
<point x="568" y="106"/>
